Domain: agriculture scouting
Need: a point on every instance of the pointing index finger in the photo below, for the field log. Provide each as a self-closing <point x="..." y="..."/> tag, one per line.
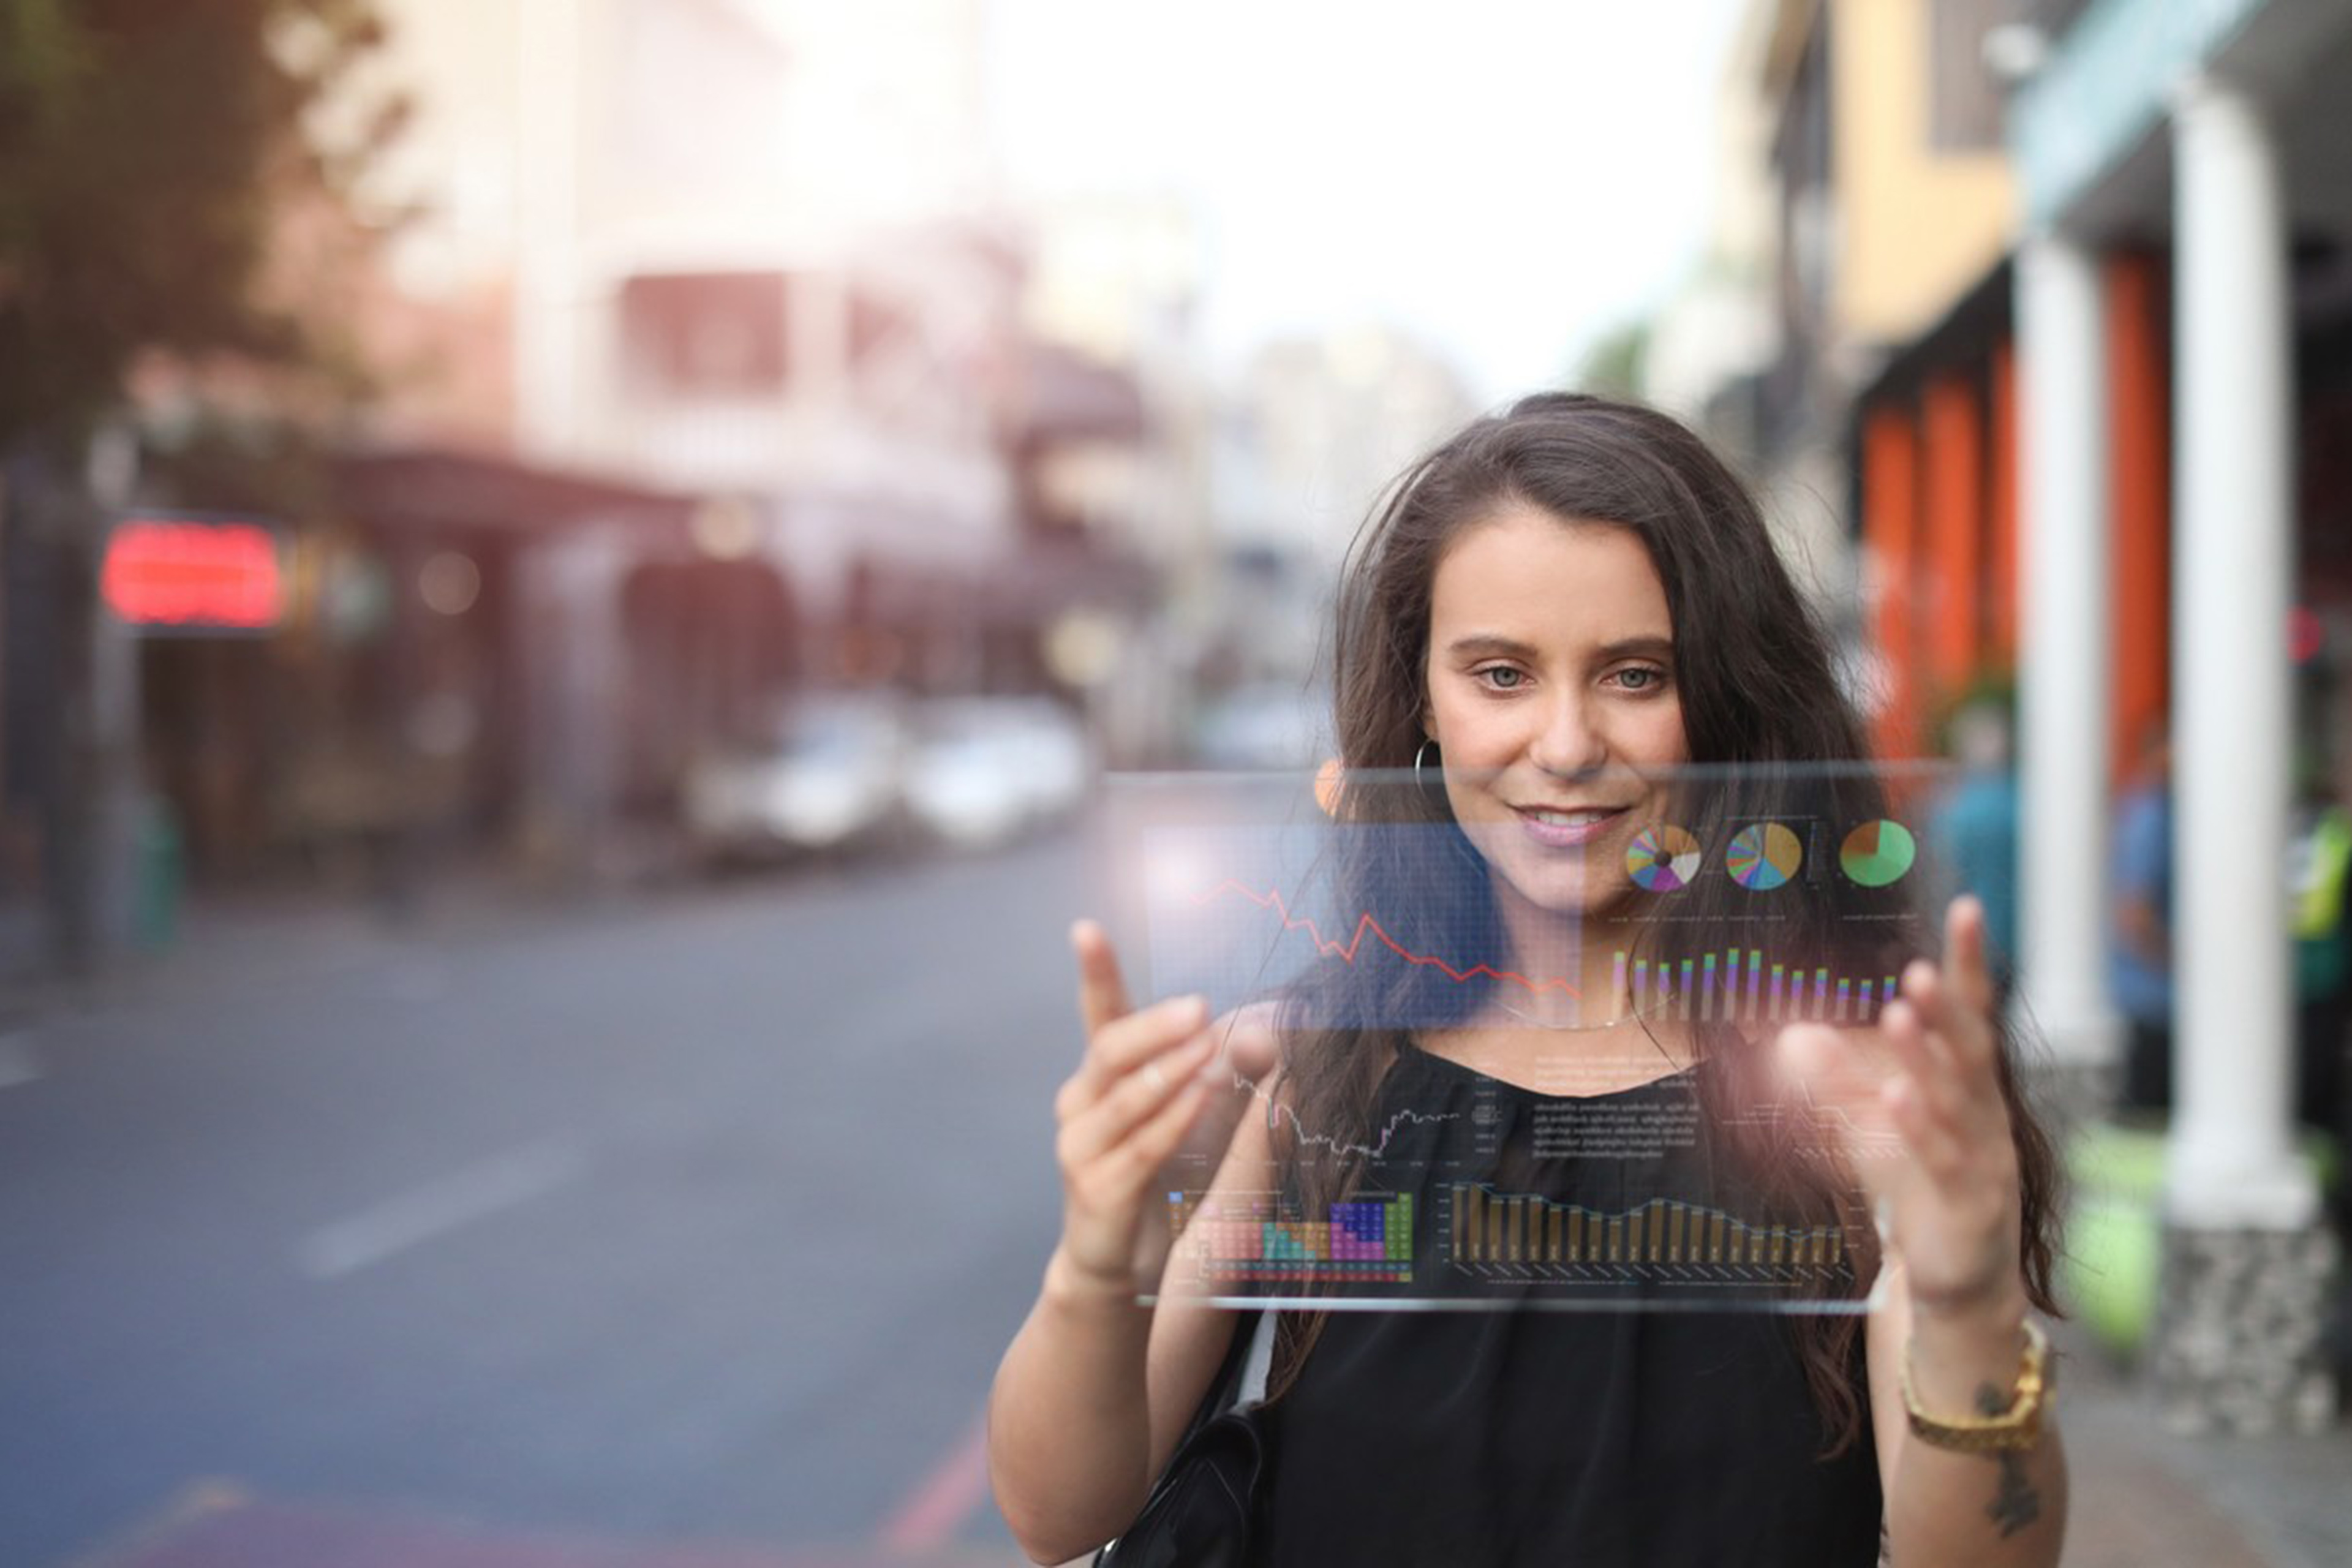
<point x="1102" y="989"/>
<point x="1964" y="954"/>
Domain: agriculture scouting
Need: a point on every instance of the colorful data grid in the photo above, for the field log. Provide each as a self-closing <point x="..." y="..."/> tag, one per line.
<point x="1247" y="1237"/>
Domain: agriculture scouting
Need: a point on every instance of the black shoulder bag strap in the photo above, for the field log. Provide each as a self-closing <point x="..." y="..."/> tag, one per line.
<point x="1202" y="1508"/>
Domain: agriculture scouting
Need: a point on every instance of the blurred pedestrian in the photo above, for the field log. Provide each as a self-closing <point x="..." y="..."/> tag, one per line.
<point x="1977" y="826"/>
<point x="2319" y="863"/>
<point x="2139" y="950"/>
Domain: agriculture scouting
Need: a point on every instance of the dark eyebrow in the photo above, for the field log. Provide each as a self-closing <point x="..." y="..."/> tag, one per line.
<point x="1480" y="645"/>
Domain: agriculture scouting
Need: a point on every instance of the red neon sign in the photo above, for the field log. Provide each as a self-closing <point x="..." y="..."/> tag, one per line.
<point x="194" y="575"/>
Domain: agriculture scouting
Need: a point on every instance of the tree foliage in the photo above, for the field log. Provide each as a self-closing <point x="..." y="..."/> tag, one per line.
<point x="145" y="148"/>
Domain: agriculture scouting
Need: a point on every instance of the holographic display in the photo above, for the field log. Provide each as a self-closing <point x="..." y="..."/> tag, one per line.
<point x="1528" y="1052"/>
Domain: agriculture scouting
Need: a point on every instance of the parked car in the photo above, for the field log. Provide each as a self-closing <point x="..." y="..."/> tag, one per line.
<point x="986" y="770"/>
<point x="830" y="776"/>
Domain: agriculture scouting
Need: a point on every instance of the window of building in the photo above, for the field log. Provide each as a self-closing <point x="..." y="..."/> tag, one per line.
<point x="705" y="333"/>
<point x="1965" y="99"/>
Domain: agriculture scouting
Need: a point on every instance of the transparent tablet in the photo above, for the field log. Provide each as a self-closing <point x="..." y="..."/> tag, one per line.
<point x="1529" y="1029"/>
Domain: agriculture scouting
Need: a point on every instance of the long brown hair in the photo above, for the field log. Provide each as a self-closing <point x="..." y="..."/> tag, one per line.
<point x="1758" y="689"/>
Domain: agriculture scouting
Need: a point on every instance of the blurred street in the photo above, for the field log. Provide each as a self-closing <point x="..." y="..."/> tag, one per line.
<point x="704" y="1218"/>
<point x="513" y="1236"/>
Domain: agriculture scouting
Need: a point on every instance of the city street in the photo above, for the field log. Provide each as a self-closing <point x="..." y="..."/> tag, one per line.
<point x="679" y="1228"/>
<point x="697" y="1217"/>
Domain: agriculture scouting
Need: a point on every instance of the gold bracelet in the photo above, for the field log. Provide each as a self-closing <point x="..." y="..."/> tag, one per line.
<point x="2017" y="1427"/>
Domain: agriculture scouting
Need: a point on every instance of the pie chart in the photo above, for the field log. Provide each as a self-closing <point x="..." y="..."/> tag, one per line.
<point x="1663" y="858"/>
<point x="1764" y="856"/>
<point x="1878" y="853"/>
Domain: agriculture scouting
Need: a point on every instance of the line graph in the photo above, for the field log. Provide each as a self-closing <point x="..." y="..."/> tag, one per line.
<point x="1375" y="1150"/>
<point x="1346" y="951"/>
<point x="1731" y="985"/>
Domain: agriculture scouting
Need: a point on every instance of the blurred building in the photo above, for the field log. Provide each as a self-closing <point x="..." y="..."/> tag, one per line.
<point x="1309" y="437"/>
<point x="1864" y="189"/>
<point x="2182" y="300"/>
<point x="1112" y="294"/>
<point x="1706" y="352"/>
<point x="713" y="374"/>
<point x="2065" y="291"/>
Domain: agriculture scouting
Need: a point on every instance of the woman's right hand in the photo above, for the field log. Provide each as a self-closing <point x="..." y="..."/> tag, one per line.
<point x="1153" y="1083"/>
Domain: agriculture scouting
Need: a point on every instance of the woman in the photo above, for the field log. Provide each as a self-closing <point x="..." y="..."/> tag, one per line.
<point x="1553" y="612"/>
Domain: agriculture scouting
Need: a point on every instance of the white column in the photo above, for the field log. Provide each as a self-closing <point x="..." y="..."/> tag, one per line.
<point x="2232" y="1161"/>
<point x="2064" y="685"/>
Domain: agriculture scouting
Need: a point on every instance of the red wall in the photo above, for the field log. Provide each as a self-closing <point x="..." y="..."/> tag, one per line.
<point x="2138" y="402"/>
<point x="1939" y="494"/>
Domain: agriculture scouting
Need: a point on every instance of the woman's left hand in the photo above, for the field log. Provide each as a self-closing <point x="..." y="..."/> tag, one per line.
<point x="1917" y="1104"/>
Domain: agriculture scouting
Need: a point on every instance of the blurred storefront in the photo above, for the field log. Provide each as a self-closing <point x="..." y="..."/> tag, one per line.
<point x="2064" y="300"/>
<point x="480" y="662"/>
<point x="2209" y="133"/>
<point x="396" y="709"/>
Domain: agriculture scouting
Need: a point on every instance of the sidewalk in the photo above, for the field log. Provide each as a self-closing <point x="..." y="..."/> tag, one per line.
<point x="2144" y="1498"/>
<point x="216" y="1525"/>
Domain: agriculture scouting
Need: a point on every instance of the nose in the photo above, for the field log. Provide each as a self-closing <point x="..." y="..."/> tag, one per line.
<point x="1569" y="742"/>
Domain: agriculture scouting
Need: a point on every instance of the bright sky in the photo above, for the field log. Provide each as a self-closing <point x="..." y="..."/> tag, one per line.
<point x="1505" y="178"/>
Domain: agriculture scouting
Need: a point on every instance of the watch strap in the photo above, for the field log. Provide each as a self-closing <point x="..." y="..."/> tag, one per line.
<point x="2018" y="1426"/>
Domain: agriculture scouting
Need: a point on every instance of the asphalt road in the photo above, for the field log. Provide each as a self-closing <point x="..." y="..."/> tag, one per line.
<point x="701" y="1218"/>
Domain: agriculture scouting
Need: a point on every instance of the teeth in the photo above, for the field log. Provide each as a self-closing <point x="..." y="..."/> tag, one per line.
<point x="1569" y="818"/>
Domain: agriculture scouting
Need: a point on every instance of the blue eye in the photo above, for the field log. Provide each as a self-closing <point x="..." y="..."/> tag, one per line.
<point x="1641" y="678"/>
<point x="1518" y="676"/>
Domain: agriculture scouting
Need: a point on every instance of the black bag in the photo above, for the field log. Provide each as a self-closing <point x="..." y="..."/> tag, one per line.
<point x="1202" y="1508"/>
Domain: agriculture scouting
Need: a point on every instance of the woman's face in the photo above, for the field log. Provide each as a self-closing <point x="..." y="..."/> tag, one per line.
<point x="1553" y="701"/>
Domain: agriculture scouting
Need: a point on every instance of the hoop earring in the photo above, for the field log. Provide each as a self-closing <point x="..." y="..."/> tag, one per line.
<point x="1418" y="754"/>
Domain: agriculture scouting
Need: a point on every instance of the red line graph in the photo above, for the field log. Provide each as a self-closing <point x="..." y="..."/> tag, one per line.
<point x="1346" y="951"/>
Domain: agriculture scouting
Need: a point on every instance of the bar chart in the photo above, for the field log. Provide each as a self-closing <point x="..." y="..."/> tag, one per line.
<point x="1742" y="985"/>
<point x="1491" y="1232"/>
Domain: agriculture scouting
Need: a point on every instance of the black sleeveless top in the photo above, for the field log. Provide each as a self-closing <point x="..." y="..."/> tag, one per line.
<point x="1594" y="1439"/>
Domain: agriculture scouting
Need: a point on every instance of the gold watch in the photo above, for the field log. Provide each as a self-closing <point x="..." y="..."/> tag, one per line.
<point x="2017" y="1427"/>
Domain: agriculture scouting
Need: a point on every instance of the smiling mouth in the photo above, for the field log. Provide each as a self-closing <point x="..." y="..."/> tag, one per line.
<point x="1551" y="826"/>
<point x="1578" y="816"/>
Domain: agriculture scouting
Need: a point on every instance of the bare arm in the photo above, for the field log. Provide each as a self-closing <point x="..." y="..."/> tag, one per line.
<point x="1070" y="1434"/>
<point x="1094" y="1391"/>
<point x="1935" y="1150"/>
<point x="2001" y="1510"/>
